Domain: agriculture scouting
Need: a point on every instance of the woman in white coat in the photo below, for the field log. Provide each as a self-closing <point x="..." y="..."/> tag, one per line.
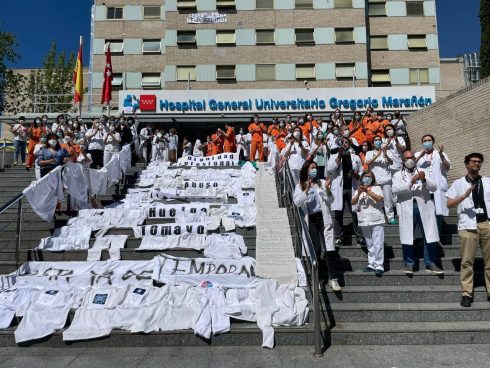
<point x="314" y="196"/>
<point x="296" y="152"/>
<point x="414" y="205"/>
<point x="369" y="198"/>
<point x="436" y="165"/>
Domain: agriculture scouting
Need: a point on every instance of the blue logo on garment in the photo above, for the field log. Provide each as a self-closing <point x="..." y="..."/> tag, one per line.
<point x="139" y="291"/>
<point x="131" y="101"/>
<point x="52" y="292"/>
<point x="100" y="298"/>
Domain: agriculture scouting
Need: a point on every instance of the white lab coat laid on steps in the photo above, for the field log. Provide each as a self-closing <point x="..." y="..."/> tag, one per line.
<point x="404" y="193"/>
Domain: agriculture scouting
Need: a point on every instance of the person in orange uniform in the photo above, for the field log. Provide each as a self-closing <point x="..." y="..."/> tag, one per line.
<point x="382" y="121"/>
<point x="34" y="133"/>
<point x="371" y="125"/>
<point x="69" y="144"/>
<point x="256" y="128"/>
<point x="305" y="128"/>
<point x="273" y="130"/>
<point x="356" y="128"/>
<point x="229" y="144"/>
<point x="281" y="136"/>
<point x="217" y="139"/>
<point x="209" y="146"/>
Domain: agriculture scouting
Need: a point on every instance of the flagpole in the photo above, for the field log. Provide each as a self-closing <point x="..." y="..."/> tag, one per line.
<point x="81" y="97"/>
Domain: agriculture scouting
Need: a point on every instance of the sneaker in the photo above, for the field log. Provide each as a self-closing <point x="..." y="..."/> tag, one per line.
<point x="408" y="270"/>
<point x="338" y="243"/>
<point x="368" y="269"/>
<point x="24" y="164"/>
<point x="361" y="242"/>
<point x="14" y="163"/>
<point x="434" y="269"/>
<point x="466" y="301"/>
<point x="393" y="221"/>
<point x="379" y="273"/>
<point x="334" y="284"/>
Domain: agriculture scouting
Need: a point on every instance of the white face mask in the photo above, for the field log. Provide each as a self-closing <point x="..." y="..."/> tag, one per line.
<point x="112" y="128"/>
<point x="53" y="142"/>
<point x="345" y="133"/>
<point x="68" y="139"/>
<point x="410" y="163"/>
<point x="159" y="135"/>
<point x="297" y="135"/>
<point x="390" y="133"/>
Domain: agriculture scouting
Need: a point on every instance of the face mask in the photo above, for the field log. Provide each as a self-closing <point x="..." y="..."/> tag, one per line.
<point x="241" y="131"/>
<point x="45" y="119"/>
<point x="301" y="121"/>
<point x="68" y="139"/>
<point x="410" y="163"/>
<point x="320" y="137"/>
<point x="288" y="118"/>
<point x="390" y="133"/>
<point x="256" y="120"/>
<point x="38" y="121"/>
<point x="297" y="135"/>
<point x="53" y="142"/>
<point x="59" y="135"/>
<point x="159" y="135"/>
<point x="309" y="117"/>
<point x="358" y="118"/>
<point x="83" y="147"/>
<point x="380" y="118"/>
<point x="337" y="114"/>
<point x="367" y="180"/>
<point x="312" y="173"/>
<point x="281" y="125"/>
<point x="335" y="131"/>
<point x="427" y="145"/>
<point x="44" y="140"/>
<point x="397" y="116"/>
<point x="112" y="128"/>
<point x="364" y="148"/>
<point x="377" y="144"/>
<point x="345" y="133"/>
<point x="75" y="125"/>
<point x="330" y="126"/>
<point x="389" y="118"/>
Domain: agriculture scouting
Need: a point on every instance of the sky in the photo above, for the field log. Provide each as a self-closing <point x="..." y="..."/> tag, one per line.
<point x="66" y="20"/>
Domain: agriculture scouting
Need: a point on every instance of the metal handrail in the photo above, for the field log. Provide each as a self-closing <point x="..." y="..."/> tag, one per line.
<point x="19" y="198"/>
<point x="286" y="189"/>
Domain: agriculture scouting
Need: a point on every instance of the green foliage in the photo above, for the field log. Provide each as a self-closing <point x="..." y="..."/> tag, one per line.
<point x="7" y="54"/>
<point x="15" y="91"/>
<point x="485" y="38"/>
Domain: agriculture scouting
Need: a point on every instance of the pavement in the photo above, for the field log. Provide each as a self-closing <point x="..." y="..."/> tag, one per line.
<point x="352" y="356"/>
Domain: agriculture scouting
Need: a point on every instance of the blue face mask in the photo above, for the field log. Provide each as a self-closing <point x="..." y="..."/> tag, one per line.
<point x="377" y="144"/>
<point x="312" y="174"/>
<point x="427" y="145"/>
<point x="367" y="180"/>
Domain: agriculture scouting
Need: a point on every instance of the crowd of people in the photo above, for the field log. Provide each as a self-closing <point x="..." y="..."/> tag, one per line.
<point x="364" y="165"/>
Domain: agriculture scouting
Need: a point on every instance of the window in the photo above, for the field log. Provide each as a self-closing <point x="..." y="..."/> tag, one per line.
<point x="379" y="42"/>
<point x="186" y="37"/>
<point x="225" y="37"/>
<point x="345" y="70"/>
<point x="150" y="80"/>
<point x="264" y="4"/>
<point x="305" y="71"/>
<point x="117" y="46"/>
<point x="151" y="47"/>
<point x="380" y="77"/>
<point x="117" y="81"/>
<point x="338" y="4"/>
<point x="303" y="4"/>
<point x="377" y="9"/>
<point x="152" y="12"/>
<point x="225" y="4"/>
<point x="114" y="13"/>
<point x="344" y="35"/>
<point x="419" y="76"/>
<point x="417" y="42"/>
<point x="225" y="72"/>
<point x="186" y="4"/>
<point x="304" y="36"/>
<point x="265" y="72"/>
<point x="186" y="72"/>
<point x="264" y="37"/>
<point x="415" y="9"/>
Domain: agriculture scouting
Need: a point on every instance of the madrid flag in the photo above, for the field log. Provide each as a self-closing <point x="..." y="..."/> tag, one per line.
<point x="78" y="75"/>
<point x="107" y="87"/>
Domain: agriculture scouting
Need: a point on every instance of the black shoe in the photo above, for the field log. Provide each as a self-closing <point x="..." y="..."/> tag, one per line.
<point x="408" y="270"/>
<point x="368" y="269"/>
<point x="466" y="301"/>
<point x="379" y="273"/>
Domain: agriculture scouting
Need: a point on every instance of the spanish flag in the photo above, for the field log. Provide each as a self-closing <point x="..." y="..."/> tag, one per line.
<point x="78" y="75"/>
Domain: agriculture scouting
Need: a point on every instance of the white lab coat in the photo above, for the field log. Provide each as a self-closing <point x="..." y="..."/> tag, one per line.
<point x="404" y="193"/>
<point x="300" y="198"/>
<point x="438" y="174"/>
<point x="335" y="172"/>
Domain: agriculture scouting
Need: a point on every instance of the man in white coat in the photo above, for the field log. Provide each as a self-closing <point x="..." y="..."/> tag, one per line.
<point x="436" y="164"/>
<point x="471" y="194"/>
<point x="414" y="205"/>
<point x="344" y="168"/>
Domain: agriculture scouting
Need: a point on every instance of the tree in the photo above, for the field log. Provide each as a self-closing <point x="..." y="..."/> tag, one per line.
<point x="7" y="54"/>
<point x="485" y="38"/>
<point x="51" y="86"/>
<point x="15" y="92"/>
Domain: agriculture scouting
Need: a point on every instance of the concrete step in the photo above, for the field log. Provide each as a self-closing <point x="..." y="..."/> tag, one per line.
<point x="396" y="277"/>
<point x="410" y="312"/>
<point x="395" y="251"/>
<point x="409" y="333"/>
<point x="401" y="294"/>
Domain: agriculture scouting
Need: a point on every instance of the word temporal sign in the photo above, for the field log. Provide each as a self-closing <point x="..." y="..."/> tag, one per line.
<point x="276" y="100"/>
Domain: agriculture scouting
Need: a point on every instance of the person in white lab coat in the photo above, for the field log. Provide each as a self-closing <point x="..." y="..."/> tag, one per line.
<point x="314" y="196"/>
<point x="414" y="205"/>
<point x="369" y="198"/>
<point x="296" y="152"/>
<point x="379" y="161"/>
<point x="345" y="168"/>
<point x="471" y="195"/>
<point x="241" y="144"/>
<point x="436" y="165"/>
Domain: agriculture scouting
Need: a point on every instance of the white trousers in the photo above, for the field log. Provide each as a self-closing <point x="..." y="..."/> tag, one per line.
<point x="329" y="238"/>
<point x="375" y="239"/>
<point x="388" y="201"/>
<point x="112" y="242"/>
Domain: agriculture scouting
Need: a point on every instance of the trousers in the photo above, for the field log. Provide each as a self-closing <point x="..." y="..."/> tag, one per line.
<point x="375" y="239"/>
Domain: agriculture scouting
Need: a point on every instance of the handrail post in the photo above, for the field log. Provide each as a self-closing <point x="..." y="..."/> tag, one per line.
<point x="316" y="312"/>
<point x="19" y="229"/>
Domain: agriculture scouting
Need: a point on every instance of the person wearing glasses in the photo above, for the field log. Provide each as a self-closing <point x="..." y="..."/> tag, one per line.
<point x="471" y="195"/>
<point x="414" y="205"/>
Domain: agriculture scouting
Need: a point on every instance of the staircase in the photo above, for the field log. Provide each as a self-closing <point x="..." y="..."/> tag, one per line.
<point x="396" y="309"/>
